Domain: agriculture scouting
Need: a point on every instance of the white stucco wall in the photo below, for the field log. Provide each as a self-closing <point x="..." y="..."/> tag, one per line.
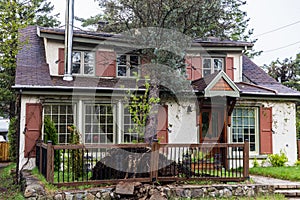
<point x="51" y="49"/>
<point x="181" y="124"/>
<point x="284" y="127"/>
<point x="24" y="162"/>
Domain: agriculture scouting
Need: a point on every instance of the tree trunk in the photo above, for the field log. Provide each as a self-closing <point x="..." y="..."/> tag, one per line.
<point x="150" y="131"/>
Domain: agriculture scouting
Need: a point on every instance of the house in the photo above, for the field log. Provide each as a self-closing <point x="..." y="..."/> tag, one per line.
<point x="4" y="123"/>
<point x="229" y="99"/>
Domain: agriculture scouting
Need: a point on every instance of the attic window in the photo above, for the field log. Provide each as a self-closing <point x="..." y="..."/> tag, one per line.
<point x="127" y="65"/>
<point x="83" y="62"/>
<point x="212" y="65"/>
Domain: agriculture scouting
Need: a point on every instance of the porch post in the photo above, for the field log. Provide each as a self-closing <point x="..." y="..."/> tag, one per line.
<point x="154" y="161"/>
<point x="246" y="159"/>
<point x="50" y="162"/>
<point x="298" y="146"/>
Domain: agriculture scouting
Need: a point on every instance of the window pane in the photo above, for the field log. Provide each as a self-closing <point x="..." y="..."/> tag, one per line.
<point x="76" y="57"/>
<point x="89" y="69"/>
<point x="218" y="64"/>
<point x="89" y="57"/>
<point x="207" y="63"/>
<point x="122" y="70"/>
<point x="75" y="68"/>
<point x="121" y="60"/>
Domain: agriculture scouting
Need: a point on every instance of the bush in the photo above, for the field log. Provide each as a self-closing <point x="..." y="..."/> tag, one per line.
<point x="297" y="163"/>
<point x="12" y="139"/>
<point x="50" y="133"/>
<point x="255" y="162"/>
<point x="278" y="160"/>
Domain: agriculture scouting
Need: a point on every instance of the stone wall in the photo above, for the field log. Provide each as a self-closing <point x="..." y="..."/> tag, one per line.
<point x="33" y="190"/>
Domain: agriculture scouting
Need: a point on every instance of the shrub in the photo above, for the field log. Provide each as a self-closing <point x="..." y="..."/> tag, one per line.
<point x="278" y="160"/>
<point x="255" y="162"/>
<point x="297" y="163"/>
<point x="50" y="133"/>
<point x="12" y="139"/>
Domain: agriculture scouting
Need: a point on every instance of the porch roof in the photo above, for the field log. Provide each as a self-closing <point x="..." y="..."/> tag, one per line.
<point x="216" y="84"/>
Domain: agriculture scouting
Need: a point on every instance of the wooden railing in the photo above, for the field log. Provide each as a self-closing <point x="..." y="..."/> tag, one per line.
<point x="4" y="151"/>
<point x="108" y="163"/>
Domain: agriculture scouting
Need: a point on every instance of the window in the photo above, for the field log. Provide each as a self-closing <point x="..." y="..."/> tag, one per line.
<point x="245" y="126"/>
<point x="127" y="65"/>
<point x="129" y="136"/>
<point x="211" y="65"/>
<point x="83" y="62"/>
<point x="62" y="116"/>
<point x="99" y="123"/>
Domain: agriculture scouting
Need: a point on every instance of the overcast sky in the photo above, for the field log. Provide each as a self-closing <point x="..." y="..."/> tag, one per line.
<point x="266" y="17"/>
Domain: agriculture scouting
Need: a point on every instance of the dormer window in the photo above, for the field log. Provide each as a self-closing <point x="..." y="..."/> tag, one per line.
<point x="127" y="65"/>
<point x="83" y="62"/>
<point x="212" y="65"/>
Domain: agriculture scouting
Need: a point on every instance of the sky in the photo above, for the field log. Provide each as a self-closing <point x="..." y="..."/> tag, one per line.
<point x="276" y="25"/>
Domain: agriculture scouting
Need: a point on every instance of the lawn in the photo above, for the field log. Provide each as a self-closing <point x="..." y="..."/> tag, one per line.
<point x="288" y="173"/>
<point x="8" y="189"/>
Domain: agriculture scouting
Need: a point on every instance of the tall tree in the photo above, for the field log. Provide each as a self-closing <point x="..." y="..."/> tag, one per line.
<point x="15" y="15"/>
<point x="287" y="72"/>
<point x="165" y="28"/>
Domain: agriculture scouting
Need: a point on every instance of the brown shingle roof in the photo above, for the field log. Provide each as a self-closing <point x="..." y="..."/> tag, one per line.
<point x="260" y="80"/>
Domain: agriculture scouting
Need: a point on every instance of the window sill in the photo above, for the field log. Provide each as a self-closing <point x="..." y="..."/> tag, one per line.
<point x="259" y="157"/>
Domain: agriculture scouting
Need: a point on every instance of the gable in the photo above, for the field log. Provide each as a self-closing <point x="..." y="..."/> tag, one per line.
<point x="221" y="85"/>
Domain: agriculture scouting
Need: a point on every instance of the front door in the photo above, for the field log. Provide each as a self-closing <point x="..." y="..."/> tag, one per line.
<point x="211" y="125"/>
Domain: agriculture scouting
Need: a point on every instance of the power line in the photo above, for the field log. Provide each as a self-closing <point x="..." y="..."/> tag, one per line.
<point x="282" y="27"/>
<point x="267" y="51"/>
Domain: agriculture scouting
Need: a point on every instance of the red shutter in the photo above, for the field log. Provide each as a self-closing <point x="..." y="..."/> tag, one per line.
<point x="162" y="124"/>
<point x="33" y="127"/>
<point x="144" y="70"/>
<point x="106" y="64"/>
<point x="230" y="67"/>
<point x="266" y="146"/>
<point x="193" y="68"/>
<point x="61" y="61"/>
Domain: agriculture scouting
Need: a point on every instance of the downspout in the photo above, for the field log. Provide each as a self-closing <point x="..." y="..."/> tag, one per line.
<point x="18" y="133"/>
<point x="69" y="40"/>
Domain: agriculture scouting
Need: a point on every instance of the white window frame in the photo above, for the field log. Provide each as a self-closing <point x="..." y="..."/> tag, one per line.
<point x="57" y="124"/>
<point x="91" y="123"/>
<point x="129" y="123"/>
<point x="256" y="128"/>
<point x="127" y="65"/>
<point x="83" y="63"/>
<point x="212" y="66"/>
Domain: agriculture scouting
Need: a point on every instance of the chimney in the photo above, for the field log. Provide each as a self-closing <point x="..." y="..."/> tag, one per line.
<point x="69" y="39"/>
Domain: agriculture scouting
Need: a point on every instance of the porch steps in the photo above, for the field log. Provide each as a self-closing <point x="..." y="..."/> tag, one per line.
<point x="288" y="190"/>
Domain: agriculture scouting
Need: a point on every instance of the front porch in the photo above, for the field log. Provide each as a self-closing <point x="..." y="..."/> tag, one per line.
<point x="70" y="165"/>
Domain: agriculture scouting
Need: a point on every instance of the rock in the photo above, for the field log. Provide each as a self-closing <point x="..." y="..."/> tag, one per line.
<point x="196" y="193"/>
<point x="98" y="195"/>
<point x="69" y="196"/>
<point x="106" y="196"/>
<point x="126" y="188"/>
<point x="89" y="196"/>
<point x="29" y="192"/>
<point x="157" y="196"/>
<point x="58" y="197"/>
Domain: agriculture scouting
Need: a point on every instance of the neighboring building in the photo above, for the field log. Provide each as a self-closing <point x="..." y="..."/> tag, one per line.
<point x="4" y="123"/>
<point x="230" y="99"/>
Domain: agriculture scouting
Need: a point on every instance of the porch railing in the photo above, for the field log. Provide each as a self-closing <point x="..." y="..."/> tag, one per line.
<point x="108" y="163"/>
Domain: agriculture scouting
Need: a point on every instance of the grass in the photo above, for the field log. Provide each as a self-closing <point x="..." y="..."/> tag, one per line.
<point x="9" y="190"/>
<point x="262" y="197"/>
<point x="291" y="173"/>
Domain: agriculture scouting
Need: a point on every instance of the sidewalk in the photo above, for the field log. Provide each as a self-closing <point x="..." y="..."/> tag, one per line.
<point x="272" y="181"/>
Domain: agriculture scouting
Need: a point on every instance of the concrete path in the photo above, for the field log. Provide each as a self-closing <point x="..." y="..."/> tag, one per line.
<point x="272" y="181"/>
